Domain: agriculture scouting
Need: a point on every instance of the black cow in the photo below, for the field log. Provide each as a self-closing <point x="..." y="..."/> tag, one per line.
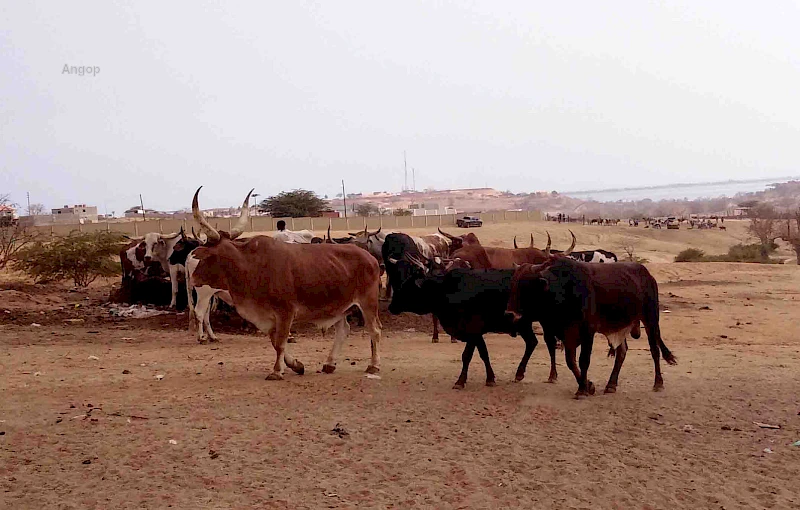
<point x="468" y="303"/>
<point x="395" y="252"/>
<point x="575" y="300"/>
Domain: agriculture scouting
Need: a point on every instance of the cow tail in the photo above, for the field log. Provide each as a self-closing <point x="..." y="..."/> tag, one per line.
<point x="653" y="329"/>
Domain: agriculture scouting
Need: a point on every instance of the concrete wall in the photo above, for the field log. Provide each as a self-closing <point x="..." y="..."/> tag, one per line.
<point x="267" y="224"/>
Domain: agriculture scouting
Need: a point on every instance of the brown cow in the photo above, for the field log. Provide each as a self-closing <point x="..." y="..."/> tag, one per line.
<point x="457" y="242"/>
<point x="575" y="300"/>
<point x="272" y="284"/>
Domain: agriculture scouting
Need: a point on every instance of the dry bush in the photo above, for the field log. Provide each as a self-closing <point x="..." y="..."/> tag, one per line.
<point x="81" y="257"/>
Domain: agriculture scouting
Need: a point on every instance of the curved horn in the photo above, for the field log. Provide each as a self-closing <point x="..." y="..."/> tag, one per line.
<point x="374" y="233"/>
<point x="515" y="243"/>
<point x="194" y="234"/>
<point x="572" y="246"/>
<point x="449" y="236"/>
<point x="531" y="239"/>
<point x="549" y="242"/>
<point x="211" y="233"/>
<point x="244" y="217"/>
<point x="330" y="239"/>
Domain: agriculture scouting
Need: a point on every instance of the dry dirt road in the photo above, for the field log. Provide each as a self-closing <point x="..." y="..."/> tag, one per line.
<point x="79" y="432"/>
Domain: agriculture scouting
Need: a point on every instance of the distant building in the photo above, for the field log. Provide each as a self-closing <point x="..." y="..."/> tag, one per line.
<point x="79" y="213"/>
<point x="6" y="211"/>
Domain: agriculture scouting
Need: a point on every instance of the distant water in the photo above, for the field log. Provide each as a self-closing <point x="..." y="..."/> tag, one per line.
<point x="678" y="191"/>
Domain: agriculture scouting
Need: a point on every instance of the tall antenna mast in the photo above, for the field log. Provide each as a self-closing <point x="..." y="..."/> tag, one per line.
<point x="405" y="168"/>
<point x="414" y="178"/>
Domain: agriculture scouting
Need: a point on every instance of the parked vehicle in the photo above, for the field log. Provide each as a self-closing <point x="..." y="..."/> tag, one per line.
<point x="469" y="221"/>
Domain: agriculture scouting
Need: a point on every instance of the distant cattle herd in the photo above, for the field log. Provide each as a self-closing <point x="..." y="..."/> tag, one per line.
<point x="469" y="289"/>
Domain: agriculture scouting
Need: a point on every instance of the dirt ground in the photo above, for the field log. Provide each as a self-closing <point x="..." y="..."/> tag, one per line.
<point x="87" y="421"/>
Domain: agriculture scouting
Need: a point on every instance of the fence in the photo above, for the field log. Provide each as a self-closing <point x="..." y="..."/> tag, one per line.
<point x="267" y="224"/>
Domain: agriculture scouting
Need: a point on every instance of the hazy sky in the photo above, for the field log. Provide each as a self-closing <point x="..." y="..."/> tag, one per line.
<point x="279" y="95"/>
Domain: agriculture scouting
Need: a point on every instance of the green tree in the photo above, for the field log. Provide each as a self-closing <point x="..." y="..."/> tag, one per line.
<point x="294" y="204"/>
<point x="402" y="212"/>
<point x="366" y="209"/>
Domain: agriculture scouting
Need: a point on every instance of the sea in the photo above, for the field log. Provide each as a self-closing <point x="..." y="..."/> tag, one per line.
<point x="679" y="191"/>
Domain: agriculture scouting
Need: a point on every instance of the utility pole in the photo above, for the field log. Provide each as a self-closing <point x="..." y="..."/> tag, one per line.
<point x="414" y="179"/>
<point x="29" y="202"/>
<point x="344" y="200"/>
<point x="405" y="169"/>
<point x="141" y="202"/>
<point x="255" y="202"/>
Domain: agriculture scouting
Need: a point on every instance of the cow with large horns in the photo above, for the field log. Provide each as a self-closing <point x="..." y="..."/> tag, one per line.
<point x="271" y="284"/>
<point x="457" y="242"/>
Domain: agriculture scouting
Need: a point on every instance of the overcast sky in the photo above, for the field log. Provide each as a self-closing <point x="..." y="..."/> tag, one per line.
<point x="280" y="95"/>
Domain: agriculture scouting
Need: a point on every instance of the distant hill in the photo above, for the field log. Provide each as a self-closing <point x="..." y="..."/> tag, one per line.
<point x="784" y="196"/>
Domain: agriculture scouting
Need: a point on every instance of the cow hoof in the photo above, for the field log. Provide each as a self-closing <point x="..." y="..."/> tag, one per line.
<point x="491" y="383"/>
<point x="590" y="388"/>
<point x="519" y="377"/>
<point x="372" y="369"/>
<point x="610" y="389"/>
<point x="580" y="394"/>
<point x="434" y="340"/>
<point x="299" y="368"/>
<point x="458" y="386"/>
<point x="274" y="376"/>
<point x="328" y="369"/>
<point x="552" y="380"/>
<point x="658" y="387"/>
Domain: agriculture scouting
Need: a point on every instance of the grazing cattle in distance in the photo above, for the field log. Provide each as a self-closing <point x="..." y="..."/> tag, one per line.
<point x="271" y="284"/>
<point x="574" y="300"/>
<point x="158" y="248"/>
<point x="395" y="248"/>
<point x="468" y="304"/>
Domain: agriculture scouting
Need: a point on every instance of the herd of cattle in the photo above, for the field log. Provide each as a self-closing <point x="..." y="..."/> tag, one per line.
<point x="468" y="288"/>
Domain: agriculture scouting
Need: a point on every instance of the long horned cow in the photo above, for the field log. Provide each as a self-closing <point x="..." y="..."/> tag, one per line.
<point x="271" y="284"/>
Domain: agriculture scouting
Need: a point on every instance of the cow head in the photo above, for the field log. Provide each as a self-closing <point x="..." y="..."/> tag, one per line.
<point x="157" y="247"/>
<point x="182" y="248"/>
<point x="413" y="291"/>
<point x="528" y="288"/>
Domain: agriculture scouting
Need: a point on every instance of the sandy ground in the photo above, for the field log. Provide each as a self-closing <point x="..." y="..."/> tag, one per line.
<point x="79" y="432"/>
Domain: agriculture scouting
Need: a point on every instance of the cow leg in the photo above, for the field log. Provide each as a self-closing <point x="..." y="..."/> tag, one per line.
<point x="621" y="351"/>
<point x="466" y="357"/>
<point x="190" y="301"/>
<point x="207" y="320"/>
<point x="585" y="386"/>
<point x="526" y="331"/>
<point x="342" y="329"/>
<point x="374" y="342"/>
<point x="173" y="278"/>
<point x="203" y="310"/>
<point x="484" y="354"/>
<point x="435" y="338"/>
<point x="280" y="336"/>
<point x="551" y="342"/>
